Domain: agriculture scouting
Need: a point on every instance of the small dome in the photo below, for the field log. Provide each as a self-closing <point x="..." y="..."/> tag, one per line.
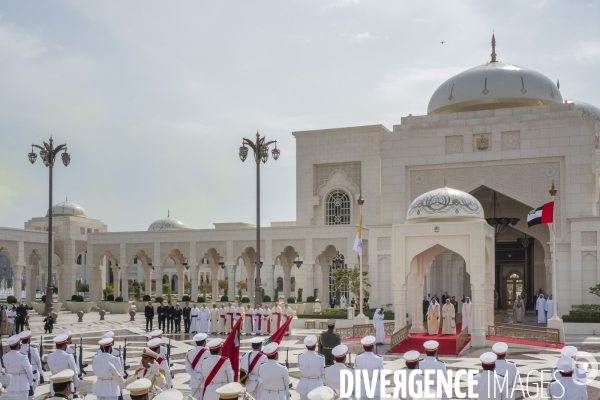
<point x="444" y="204"/>
<point x="493" y="85"/>
<point x="67" y="209"/>
<point x="167" y="224"/>
<point x="587" y="109"/>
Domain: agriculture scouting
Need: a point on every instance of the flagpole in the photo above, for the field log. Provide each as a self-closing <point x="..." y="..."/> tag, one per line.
<point x="361" y="201"/>
<point x="553" y="192"/>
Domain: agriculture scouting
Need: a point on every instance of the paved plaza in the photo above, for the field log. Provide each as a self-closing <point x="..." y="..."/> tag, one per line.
<point x="92" y="328"/>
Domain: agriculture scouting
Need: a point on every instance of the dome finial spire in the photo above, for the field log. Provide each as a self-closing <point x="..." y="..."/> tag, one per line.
<point x="168" y="213"/>
<point x="494" y="48"/>
<point x="558" y="83"/>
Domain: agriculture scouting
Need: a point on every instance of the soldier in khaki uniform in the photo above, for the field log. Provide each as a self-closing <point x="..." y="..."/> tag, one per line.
<point x="327" y="341"/>
<point x="61" y="383"/>
<point x="150" y="370"/>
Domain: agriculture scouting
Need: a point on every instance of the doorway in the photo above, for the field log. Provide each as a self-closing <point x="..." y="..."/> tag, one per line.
<point x="513" y="287"/>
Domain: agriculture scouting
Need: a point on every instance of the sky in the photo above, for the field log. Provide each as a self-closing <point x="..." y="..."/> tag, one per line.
<point x="153" y="98"/>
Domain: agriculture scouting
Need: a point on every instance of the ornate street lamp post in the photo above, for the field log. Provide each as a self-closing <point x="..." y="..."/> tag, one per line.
<point x="48" y="153"/>
<point x="260" y="147"/>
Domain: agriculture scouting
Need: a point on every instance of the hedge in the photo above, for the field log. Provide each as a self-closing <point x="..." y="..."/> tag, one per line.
<point x="119" y="299"/>
<point x="310" y="299"/>
<point x="43" y="298"/>
<point x="224" y="298"/>
<point x="266" y="298"/>
<point x="245" y="299"/>
<point x="568" y="318"/>
<point x="147" y="297"/>
<point x="11" y="300"/>
<point x="159" y="299"/>
<point x="77" y="298"/>
<point x="200" y="299"/>
<point x="186" y="298"/>
<point x="337" y="313"/>
<point x="110" y="297"/>
<point x="291" y="300"/>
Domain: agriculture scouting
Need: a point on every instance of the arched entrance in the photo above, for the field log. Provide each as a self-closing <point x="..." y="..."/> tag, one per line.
<point x="512" y="286"/>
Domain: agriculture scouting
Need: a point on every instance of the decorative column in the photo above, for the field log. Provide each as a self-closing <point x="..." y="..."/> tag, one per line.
<point x="269" y="271"/>
<point x="148" y="279"/>
<point x="287" y="277"/>
<point x="231" y="280"/>
<point x="116" y="277"/>
<point x="194" y="281"/>
<point x="214" y="281"/>
<point x="180" y="279"/>
<point x="124" y="272"/>
<point x="159" y="281"/>
<point x="251" y="274"/>
<point x="480" y="302"/>
<point x="310" y="268"/>
<point x="30" y="282"/>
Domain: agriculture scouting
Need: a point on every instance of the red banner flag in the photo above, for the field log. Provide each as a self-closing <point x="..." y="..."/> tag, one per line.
<point x="277" y="337"/>
<point x="231" y="348"/>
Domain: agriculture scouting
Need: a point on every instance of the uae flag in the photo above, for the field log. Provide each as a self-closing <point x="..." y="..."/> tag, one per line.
<point x="231" y="349"/>
<point x="541" y="215"/>
<point x="277" y="337"/>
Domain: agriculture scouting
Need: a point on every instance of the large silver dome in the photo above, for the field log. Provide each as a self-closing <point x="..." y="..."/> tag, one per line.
<point x="67" y="209"/>
<point x="493" y="85"/>
<point x="167" y="224"/>
<point x="588" y="109"/>
<point x="444" y="204"/>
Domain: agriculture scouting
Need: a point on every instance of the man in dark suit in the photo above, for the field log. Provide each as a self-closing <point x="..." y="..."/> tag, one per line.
<point x="162" y="315"/>
<point x="186" y="317"/>
<point x="149" y="314"/>
<point x="177" y="318"/>
<point x="332" y="302"/>
<point x="170" y="309"/>
<point x="21" y="317"/>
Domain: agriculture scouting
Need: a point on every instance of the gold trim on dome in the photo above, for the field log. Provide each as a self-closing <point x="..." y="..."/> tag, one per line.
<point x="523" y="90"/>
<point x="441" y="218"/>
<point x="485" y="91"/>
<point x="67" y="215"/>
<point x="489" y="104"/>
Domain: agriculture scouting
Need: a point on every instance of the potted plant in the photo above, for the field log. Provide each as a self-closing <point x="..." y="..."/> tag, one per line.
<point x="118" y="306"/>
<point x="78" y="303"/>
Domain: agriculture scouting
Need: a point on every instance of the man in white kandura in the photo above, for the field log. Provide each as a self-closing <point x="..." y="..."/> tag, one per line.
<point x="369" y="362"/>
<point x="331" y="376"/>
<point x="276" y="318"/>
<point x="222" y="319"/>
<point x="540" y="306"/>
<point x="195" y="319"/>
<point x="265" y="328"/>
<point x="433" y="317"/>
<point x="193" y="363"/>
<point x="505" y="368"/>
<point x="578" y="373"/>
<point x="204" y="319"/>
<point x="274" y="376"/>
<point x="239" y="312"/>
<point x="251" y="362"/>
<point x="467" y="315"/>
<point x="214" y="319"/>
<point x="18" y="367"/>
<point x="257" y="319"/>
<point x="249" y="321"/>
<point x="59" y="360"/>
<point x="216" y="371"/>
<point x="36" y="363"/>
<point x="343" y="302"/>
<point x="487" y="385"/>
<point x="379" y="327"/>
<point x="549" y="307"/>
<point x="564" y="387"/>
<point x="431" y="363"/>
<point x="287" y="314"/>
<point x="449" y="321"/>
<point x="106" y="388"/>
<point x="311" y="366"/>
<point x="414" y="374"/>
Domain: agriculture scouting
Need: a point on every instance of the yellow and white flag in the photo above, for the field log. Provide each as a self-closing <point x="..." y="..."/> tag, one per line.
<point x="358" y="240"/>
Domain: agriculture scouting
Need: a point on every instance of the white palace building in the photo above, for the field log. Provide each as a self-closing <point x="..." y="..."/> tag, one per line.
<point x="443" y="192"/>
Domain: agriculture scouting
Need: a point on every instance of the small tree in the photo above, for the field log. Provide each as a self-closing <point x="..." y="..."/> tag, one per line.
<point x="138" y="293"/>
<point x="168" y="291"/>
<point x="595" y="290"/>
<point x="109" y="290"/>
<point x="300" y="295"/>
<point x="205" y="288"/>
<point x="224" y="286"/>
<point x="83" y="287"/>
<point x="275" y="295"/>
<point x="349" y="278"/>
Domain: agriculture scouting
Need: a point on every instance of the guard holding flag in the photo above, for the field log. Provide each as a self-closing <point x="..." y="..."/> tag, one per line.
<point x="251" y="361"/>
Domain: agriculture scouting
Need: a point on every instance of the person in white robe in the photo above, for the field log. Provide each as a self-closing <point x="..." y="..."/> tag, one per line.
<point x="449" y="321"/>
<point x="540" y="306"/>
<point x="229" y="311"/>
<point x="343" y="302"/>
<point x="257" y="319"/>
<point x="467" y="315"/>
<point x="222" y="319"/>
<point x="238" y="314"/>
<point x="204" y="319"/>
<point x="195" y="319"/>
<point x="549" y="307"/>
<point x="433" y="317"/>
<point x="249" y="321"/>
<point x="519" y="309"/>
<point x="287" y="314"/>
<point x="265" y="329"/>
<point x="276" y="318"/>
<point x="214" y="319"/>
<point x="378" y="324"/>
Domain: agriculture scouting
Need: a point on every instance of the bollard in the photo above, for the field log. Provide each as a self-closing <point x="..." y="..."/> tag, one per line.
<point x="132" y="314"/>
<point x="101" y="312"/>
<point x="80" y="315"/>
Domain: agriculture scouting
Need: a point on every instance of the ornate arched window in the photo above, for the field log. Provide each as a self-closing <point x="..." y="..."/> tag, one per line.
<point x="337" y="211"/>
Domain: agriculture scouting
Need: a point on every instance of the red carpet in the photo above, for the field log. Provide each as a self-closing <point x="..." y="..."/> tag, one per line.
<point x="416" y="340"/>
<point x="528" y="342"/>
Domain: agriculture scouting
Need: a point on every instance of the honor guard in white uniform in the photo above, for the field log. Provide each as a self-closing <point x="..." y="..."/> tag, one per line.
<point x="140" y="389"/>
<point x="505" y="368"/>
<point x="149" y="370"/>
<point x="216" y="371"/>
<point x="18" y="367"/>
<point x="274" y="376"/>
<point x="578" y="373"/>
<point x="565" y="387"/>
<point x="34" y="360"/>
<point x="331" y="376"/>
<point x="193" y="362"/>
<point x="72" y="351"/>
<point x="251" y="361"/>
<point x="59" y="360"/>
<point x="323" y="393"/>
<point x="62" y="384"/>
<point x="369" y="362"/>
<point x="106" y="388"/>
<point x="488" y="384"/>
<point x="171" y="394"/>
<point x="230" y="391"/>
<point x="155" y="344"/>
<point x="411" y="359"/>
<point x="115" y="352"/>
<point x="311" y="366"/>
<point x="431" y="363"/>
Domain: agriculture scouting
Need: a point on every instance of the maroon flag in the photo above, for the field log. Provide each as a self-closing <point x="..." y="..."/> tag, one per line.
<point x="277" y="337"/>
<point x="231" y="348"/>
